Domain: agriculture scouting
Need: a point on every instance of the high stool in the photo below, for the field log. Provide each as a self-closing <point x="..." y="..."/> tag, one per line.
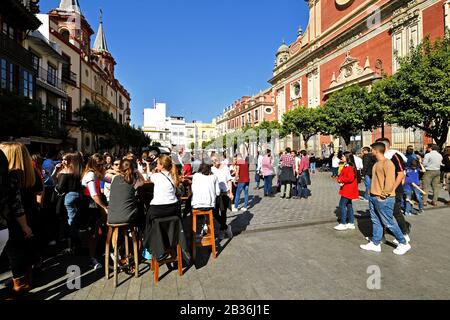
<point x="113" y="234"/>
<point x="207" y="241"/>
<point x="174" y="257"/>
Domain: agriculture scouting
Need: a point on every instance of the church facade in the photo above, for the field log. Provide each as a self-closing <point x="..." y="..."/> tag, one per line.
<point x="351" y="42"/>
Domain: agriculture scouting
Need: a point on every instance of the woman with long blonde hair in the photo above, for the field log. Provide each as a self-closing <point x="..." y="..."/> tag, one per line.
<point x="20" y="247"/>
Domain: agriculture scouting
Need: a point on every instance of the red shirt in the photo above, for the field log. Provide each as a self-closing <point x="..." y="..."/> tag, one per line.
<point x="187" y="170"/>
<point x="348" y="178"/>
<point x="244" y="172"/>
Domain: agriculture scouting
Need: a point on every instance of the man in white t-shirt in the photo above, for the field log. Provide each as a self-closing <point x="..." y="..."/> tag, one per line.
<point x="223" y="201"/>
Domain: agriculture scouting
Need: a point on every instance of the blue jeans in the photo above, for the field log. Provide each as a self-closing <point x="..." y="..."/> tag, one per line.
<point x="301" y="189"/>
<point x="241" y="187"/>
<point x="257" y="180"/>
<point x="71" y="202"/>
<point x="312" y="166"/>
<point x="335" y="172"/>
<point x="346" y="208"/>
<point x="367" y="184"/>
<point x="408" y="206"/>
<point x="268" y="185"/>
<point x="382" y="213"/>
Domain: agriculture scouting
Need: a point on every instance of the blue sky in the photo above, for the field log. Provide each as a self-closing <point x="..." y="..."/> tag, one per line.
<point x="198" y="56"/>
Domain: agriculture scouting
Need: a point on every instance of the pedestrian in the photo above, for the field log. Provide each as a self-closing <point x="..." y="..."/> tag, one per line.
<point x="243" y="183"/>
<point x="432" y="163"/>
<point x="258" y="174"/>
<point x="267" y="170"/>
<point x="446" y="169"/>
<point x="412" y="185"/>
<point x="94" y="205"/>
<point x="287" y="175"/>
<point x="410" y="156"/>
<point x="21" y="247"/>
<point x="223" y="202"/>
<point x="368" y="163"/>
<point x="382" y="202"/>
<point x="303" y="177"/>
<point x="399" y="161"/>
<point x="313" y="163"/>
<point x="68" y="187"/>
<point x="334" y="165"/>
<point x="348" y="180"/>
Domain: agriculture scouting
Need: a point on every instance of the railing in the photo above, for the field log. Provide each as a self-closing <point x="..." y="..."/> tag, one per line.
<point x="67" y="75"/>
<point x="15" y="51"/>
<point x="49" y="78"/>
<point x="50" y="119"/>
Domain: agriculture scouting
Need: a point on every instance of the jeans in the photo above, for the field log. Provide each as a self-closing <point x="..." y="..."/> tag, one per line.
<point x="312" y="166"/>
<point x="433" y="178"/>
<point x="367" y="184"/>
<point x="346" y="208"/>
<point x="408" y="205"/>
<point x="301" y="189"/>
<point x="4" y="235"/>
<point x="241" y="187"/>
<point x="257" y="180"/>
<point x="268" y="180"/>
<point x="72" y="204"/>
<point x="335" y="172"/>
<point x="398" y="212"/>
<point x="220" y="211"/>
<point x="382" y="213"/>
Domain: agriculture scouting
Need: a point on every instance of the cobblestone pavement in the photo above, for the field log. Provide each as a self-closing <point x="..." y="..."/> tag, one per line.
<point x="283" y="249"/>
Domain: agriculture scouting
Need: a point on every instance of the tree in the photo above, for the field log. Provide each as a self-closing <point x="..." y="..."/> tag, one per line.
<point x="303" y="121"/>
<point x="345" y="113"/>
<point x="419" y="93"/>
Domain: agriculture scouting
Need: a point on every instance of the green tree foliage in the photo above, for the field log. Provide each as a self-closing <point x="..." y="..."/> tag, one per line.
<point x="303" y="121"/>
<point x="345" y="113"/>
<point x="418" y="95"/>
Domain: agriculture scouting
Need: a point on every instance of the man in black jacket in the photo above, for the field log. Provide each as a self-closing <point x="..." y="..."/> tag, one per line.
<point x="368" y="163"/>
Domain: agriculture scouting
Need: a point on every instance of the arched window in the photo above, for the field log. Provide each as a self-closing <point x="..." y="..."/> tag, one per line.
<point x="65" y="34"/>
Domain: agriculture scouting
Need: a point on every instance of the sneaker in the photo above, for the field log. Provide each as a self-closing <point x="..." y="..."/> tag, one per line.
<point x="205" y="230"/>
<point x="402" y="249"/>
<point x="229" y="233"/>
<point x="341" y="227"/>
<point x="244" y="209"/>
<point x="95" y="265"/>
<point x="221" y="235"/>
<point x="371" y="247"/>
<point x="234" y="209"/>
<point x="351" y="226"/>
<point x="407" y="238"/>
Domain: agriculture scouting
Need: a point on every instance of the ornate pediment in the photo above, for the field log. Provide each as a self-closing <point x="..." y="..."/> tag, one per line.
<point x="351" y="72"/>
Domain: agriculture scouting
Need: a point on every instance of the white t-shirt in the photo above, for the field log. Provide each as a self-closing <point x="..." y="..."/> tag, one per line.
<point x="359" y="163"/>
<point x="89" y="182"/>
<point x="335" y="162"/>
<point x="205" y="189"/>
<point x="164" y="191"/>
<point x="224" y="176"/>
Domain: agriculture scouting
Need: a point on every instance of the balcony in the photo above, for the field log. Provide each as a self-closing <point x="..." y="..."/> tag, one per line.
<point x="69" y="76"/>
<point x="15" y="52"/>
<point x="50" y="119"/>
<point x="50" y="81"/>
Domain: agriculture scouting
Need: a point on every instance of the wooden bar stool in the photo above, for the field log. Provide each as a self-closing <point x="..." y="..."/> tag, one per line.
<point x="114" y="231"/>
<point x="174" y="257"/>
<point x="207" y="241"/>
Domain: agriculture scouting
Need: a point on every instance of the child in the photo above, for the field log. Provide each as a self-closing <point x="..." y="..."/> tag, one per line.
<point x="348" y="179"/>
<point x="412" y="183"/>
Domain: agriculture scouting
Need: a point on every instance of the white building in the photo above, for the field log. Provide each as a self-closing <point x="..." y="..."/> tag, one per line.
<point x="177" y="126"/>
<point x="156" y="125"/>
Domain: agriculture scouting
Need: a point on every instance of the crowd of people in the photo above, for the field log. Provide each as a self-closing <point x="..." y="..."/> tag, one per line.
<point x="394" y="184"/>
<point x="71" y="198"/>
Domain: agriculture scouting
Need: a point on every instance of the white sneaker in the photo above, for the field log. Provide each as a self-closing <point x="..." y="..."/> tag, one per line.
<point x="234" y="209"/>
<point x="407" y="238"/>
<point x="371" y="247"/>
<point x="229" y="233"/>
<point x="351" y="226"/>
<point x="205" y="230"/>
<point x="402" y="249"/>
<point x="244" y="209"/>
<point x="341" y="227"/>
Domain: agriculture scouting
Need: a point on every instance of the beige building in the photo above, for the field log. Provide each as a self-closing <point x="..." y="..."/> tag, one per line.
<point x="87" y="73"/>
<point x="198" y="133"/>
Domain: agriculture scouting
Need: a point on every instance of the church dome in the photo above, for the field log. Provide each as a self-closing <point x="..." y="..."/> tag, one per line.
<point x="283" y="49"/>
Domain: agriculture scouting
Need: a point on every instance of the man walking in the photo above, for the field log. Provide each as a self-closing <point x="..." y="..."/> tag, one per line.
<point x="382" y="202"/>
<point x="432" y="163"/>
<point x="243" y="180"/>
<point x="399" y="161"/>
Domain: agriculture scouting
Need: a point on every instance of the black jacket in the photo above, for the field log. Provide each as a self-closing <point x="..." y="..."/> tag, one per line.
<point x="368" y="163"/>
<point x="165" y="233"/>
